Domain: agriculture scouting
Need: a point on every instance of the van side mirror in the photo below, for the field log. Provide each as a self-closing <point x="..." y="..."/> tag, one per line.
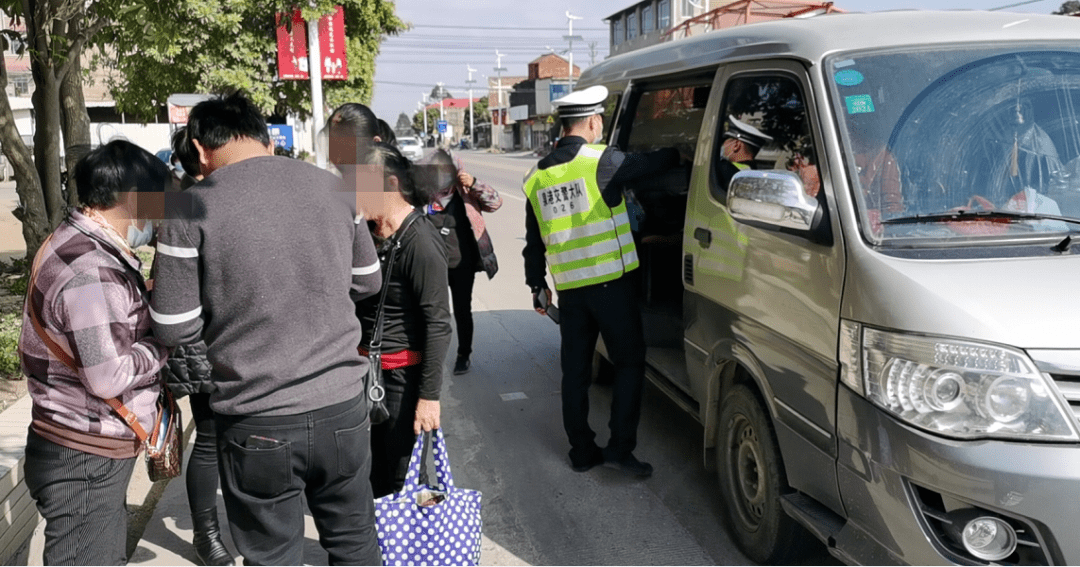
<point x="774" y="198"/>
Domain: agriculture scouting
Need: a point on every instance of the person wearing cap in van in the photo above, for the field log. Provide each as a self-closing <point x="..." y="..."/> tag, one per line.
<point x="578" y="226"/>
<point x="742" y="142"/>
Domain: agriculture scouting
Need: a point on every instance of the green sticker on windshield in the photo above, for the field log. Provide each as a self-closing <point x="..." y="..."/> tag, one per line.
<point x="859" y="104"/>
<point x="848" y="78"/>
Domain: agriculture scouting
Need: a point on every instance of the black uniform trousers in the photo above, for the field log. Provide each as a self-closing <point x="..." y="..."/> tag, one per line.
<point x="610" y="310"/>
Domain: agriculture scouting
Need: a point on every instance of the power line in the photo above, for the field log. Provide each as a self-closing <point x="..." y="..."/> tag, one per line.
<point x="1013" y="5"/>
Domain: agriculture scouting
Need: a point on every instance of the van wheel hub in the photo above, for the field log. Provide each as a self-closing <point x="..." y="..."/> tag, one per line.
<point x="750" y="476"/>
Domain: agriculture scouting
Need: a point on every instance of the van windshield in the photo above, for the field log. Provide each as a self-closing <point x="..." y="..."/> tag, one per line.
<point x="961" y="145"/>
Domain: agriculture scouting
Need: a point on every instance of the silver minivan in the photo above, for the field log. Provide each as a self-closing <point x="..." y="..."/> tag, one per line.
<point x="873" y="323"/>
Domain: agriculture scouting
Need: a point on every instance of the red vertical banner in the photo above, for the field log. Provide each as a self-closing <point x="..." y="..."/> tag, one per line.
<point x="292" y="47"/>
<point x="332" y="45"/>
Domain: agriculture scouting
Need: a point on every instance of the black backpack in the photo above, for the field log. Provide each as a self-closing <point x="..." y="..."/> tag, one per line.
<point x="446" y="223"/>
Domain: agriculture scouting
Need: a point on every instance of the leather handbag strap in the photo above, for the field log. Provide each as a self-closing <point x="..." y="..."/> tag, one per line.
<point x="395" y="244"/>
<point x="66" y="358"/>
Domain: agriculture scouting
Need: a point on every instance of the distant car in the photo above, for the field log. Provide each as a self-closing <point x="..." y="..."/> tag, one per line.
<point x="410" y="147"/>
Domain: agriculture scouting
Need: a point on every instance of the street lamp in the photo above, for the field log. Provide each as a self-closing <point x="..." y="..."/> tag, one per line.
<point x="498" y="94"/>
<point x="472" y="116"/>
<point x="441" y="92"/>
<point x="571" y="37"/>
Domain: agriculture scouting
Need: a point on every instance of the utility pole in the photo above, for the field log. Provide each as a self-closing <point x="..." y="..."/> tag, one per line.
<point x="498" y="94"/>
<point x="571" y="37"/>
<point x="423" y="110"/>
<point x="592" y="53"/>
<point x="472" y="115"/>
<point x="315" y="72"/>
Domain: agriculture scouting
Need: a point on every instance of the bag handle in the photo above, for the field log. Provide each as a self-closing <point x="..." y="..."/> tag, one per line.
<point x="62" y="355"/>
<point x="416" y="478"/>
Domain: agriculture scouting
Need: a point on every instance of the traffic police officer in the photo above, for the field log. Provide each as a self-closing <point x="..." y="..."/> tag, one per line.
<point x="742" y="142"/>
<point x="577" y="223"/>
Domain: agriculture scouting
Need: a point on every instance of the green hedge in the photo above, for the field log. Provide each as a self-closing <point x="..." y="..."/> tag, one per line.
<point x="10" y="326"/>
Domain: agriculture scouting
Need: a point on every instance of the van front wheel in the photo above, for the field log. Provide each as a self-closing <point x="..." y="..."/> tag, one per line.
<point x="751" y="476"/>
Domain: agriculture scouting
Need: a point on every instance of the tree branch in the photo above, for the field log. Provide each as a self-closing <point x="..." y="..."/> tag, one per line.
<point x="75" y="49"/>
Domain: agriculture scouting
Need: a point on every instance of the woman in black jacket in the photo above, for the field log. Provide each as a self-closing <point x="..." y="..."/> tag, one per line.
<point x="416" y="321"/>
<point x="188" y="374"/>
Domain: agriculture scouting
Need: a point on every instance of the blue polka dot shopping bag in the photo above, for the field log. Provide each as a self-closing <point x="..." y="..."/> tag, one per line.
<point x="429" y="525"/>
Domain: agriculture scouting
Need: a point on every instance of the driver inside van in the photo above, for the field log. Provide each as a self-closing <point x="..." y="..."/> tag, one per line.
<point x="742" y="142"/>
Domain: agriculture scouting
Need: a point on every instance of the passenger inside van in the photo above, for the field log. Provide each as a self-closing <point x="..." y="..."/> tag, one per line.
<point x="742" y="142"/>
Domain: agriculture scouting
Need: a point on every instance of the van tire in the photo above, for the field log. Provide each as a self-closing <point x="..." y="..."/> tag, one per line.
<point x="751" y="475"/>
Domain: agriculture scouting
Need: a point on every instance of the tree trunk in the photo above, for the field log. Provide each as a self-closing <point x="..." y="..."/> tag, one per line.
<point x="76" y="121"/>
<point x="40" y="20"/>
<point x="31" y="210"/>
<point x="47" y="143"/>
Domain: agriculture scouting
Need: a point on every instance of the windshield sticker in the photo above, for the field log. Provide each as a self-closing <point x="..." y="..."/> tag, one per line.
<point x="844" y="63"/>
<point x="859" y="104"/>
<point x="848" y="78"/>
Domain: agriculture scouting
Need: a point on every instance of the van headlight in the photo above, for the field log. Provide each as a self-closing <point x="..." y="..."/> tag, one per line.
<point x="956" y="388"/>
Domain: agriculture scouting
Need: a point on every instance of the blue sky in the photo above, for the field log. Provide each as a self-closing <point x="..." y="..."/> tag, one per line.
<point x="451" y="34"/>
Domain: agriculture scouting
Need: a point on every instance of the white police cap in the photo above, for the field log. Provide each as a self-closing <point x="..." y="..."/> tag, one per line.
<point x="582" y="103"/>
<point x="746" y="133"/>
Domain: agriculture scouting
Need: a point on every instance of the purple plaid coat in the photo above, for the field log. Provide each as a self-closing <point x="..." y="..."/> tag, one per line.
<point x="89" y="296"/>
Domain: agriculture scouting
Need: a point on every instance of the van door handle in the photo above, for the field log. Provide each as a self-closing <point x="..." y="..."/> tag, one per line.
<point x="704" y="236"/>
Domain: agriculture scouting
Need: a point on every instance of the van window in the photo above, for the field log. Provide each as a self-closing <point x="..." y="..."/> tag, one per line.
<point x="664" y="117"/>
<point x="611" y="106"/>
<point x="971" y="148"/>
<point x="773" y="104"/>
<point x="668" y="117"/>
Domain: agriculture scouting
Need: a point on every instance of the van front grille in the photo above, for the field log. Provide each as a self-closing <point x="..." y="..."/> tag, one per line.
<point x="1069" y="386"/>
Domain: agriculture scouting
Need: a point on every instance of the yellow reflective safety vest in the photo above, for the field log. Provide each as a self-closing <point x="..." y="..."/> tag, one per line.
<point x="587" y="242"/>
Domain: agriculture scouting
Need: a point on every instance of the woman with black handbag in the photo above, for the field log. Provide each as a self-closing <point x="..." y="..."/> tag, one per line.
<point x="415" y="313"/>
<point x="415" y="316"/>
<point x="87" y="349"/>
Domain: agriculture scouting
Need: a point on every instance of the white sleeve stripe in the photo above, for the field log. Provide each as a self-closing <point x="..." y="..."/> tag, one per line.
<point x="177" y="252"/>
<point x="175" y="319"/>
<point x="366" y="271"/>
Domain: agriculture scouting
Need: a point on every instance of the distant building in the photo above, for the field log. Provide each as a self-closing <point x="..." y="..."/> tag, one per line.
<point x="644" y="24"/>
<point x="455" y="110"/>
<point x="530" y="100"/>
<point x="499" y="107"/>
<point x="654" y="21"/>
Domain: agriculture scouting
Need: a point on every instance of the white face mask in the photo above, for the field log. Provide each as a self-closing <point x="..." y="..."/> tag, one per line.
<point x="724" y="153"/>
<point x="137" y="238"/>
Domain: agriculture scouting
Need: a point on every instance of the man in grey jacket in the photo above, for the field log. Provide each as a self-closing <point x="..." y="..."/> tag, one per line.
<point x="264" y="260"/>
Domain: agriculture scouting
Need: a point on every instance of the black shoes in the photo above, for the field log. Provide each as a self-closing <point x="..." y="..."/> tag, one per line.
<point x="207" y="539"/>
<point x="628" y="464"/>
<point x="595" y="458"/>
<point x="462" y="365"/>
